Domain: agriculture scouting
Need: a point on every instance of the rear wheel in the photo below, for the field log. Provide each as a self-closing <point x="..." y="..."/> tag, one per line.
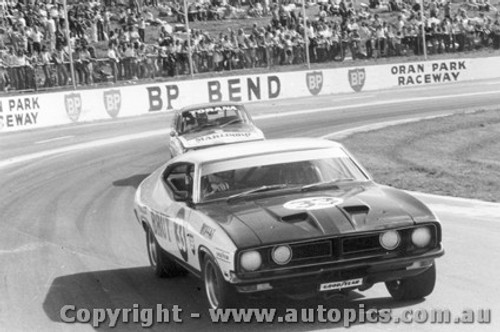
<point x="163" y="266"/>
<point x="218" y="291"/>
<point x="413" y="288"/>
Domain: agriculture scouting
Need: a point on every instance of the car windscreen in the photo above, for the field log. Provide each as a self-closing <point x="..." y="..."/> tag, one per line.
<point x="283" y="170"/>
<point x="210" y="117"/>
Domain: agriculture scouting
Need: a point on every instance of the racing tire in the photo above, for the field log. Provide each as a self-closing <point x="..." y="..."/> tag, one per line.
<point x="162" y="265"/>
<point x="218" y="291"/>
<point x="413" y="288"/>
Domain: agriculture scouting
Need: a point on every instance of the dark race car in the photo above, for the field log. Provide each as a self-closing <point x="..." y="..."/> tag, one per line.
<point x="206" y="125"/>
<point x="296" y="216"/>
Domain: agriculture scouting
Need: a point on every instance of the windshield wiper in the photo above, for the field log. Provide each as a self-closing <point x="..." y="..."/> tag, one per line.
<point x="324" y="184"/>
<point x="256" y="190"/>
<point x="203" y="126"/>
<point x="233" y="121"/>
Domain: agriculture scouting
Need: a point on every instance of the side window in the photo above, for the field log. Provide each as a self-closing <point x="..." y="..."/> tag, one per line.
<point x="179" y="178"/>
<point x="177" y="125"/>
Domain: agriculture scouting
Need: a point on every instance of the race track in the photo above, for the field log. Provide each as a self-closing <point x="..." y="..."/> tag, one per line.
<point x="68" y="234"/>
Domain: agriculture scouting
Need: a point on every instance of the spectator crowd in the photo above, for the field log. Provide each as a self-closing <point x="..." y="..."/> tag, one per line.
<point x="109" y="38"/>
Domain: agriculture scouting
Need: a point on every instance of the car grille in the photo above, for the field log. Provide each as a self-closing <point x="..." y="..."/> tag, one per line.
<point x="340" y="249"/>
<point x="311" y="250"/>
<point x="359" y="245"/>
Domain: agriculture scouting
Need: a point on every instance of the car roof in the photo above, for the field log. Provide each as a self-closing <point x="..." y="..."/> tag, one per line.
<point x="255" y="148"/>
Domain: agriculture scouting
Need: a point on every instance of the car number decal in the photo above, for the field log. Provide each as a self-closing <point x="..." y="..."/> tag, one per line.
<point x="312" y="203"/>
<point x="180" y="235"/>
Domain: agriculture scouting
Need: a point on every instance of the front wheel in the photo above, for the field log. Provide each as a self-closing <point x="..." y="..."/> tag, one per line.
<point x="413" y="288"/>
<point x="218" y="291"/>
<point x="162" y="265"/>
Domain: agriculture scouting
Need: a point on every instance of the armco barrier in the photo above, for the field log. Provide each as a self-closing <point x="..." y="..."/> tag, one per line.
<point x="58" y="108"/>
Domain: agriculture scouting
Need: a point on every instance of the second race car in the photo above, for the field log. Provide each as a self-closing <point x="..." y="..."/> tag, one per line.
<point x="207" y="125"/>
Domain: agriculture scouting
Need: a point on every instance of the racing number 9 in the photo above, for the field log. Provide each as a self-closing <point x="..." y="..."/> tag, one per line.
<point x="180" y="235"/>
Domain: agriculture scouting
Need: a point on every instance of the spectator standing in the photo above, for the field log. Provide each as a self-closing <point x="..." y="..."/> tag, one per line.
<point x="59" y="58"/>
<point x="113" y="61"/>
<point x="36" y="37"/>
<point x="45" y="59"/>
<point x="141" y="27"/>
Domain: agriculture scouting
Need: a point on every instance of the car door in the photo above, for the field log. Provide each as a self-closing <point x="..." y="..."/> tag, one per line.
<point x="174" y="213"/>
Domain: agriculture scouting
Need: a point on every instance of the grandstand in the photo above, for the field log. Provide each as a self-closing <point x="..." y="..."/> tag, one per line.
<point x="117" y="41"/>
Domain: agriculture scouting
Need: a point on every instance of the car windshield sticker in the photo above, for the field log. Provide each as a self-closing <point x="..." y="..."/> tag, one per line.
<point x="212" y="110"/>
<point x="312" y="203"/>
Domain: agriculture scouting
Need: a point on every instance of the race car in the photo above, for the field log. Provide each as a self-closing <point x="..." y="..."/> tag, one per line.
<point x="297" y="217"/>
<point x="206" y="125"/>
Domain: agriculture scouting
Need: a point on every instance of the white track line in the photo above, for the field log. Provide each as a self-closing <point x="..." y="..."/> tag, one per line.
<point x="53" y="139"/>
<point x="82" y="146"/>
<point x="374" y="103"/>
<point x="148" y="134"/>
<point x="344" y="133"/>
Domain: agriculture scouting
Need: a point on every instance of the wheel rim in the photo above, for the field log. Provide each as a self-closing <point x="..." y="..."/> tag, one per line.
<point x="212" y="285"/>
<point x="153" y="255"/>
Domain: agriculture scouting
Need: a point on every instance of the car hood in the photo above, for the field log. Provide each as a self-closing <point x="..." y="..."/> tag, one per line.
<point x="241" y="132"/>
<point x="302" y="216"/>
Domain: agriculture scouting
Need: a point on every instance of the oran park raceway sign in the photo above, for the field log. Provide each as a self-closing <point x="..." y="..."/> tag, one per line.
<point x="18" y="113"/>
<point x="428" y="72"/>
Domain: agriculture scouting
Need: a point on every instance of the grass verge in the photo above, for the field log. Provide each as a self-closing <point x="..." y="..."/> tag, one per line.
<point x="457" y="155"/>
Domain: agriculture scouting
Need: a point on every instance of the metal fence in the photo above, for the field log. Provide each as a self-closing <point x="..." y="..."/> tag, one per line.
<point x="36" y="77"/>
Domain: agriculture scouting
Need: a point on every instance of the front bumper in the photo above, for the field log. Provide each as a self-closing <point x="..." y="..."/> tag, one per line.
<point x="371" y="272"/>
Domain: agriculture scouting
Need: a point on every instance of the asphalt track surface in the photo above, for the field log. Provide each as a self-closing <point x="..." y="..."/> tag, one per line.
<point x="68" y="234"/>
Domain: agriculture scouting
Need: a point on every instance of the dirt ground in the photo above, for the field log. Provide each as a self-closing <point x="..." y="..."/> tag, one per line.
<point x="457" y="155"/>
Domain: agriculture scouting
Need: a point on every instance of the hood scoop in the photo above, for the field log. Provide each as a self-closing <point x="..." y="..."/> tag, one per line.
<point x="303" y="220"/>
<point x="357" y="213"/>
<point x="293" y="218"/>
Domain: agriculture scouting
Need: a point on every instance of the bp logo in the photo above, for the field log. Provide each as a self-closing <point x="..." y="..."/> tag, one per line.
<point x="312" y="203"/>
<point x="73" y="104"/>
<point x="357" y="78"/>
<point x="112" y="102"/>
<point x="314" y="82"/>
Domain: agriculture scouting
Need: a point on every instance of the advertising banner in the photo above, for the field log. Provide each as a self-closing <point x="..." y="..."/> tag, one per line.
<point x="66" y="107"/>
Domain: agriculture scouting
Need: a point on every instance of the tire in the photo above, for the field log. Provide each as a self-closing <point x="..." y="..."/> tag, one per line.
<point x="162" y="265"/>
<point x="413" y="288"/>
<point x="219" y="292"/>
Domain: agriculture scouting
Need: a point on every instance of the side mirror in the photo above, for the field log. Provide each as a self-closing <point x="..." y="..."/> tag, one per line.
<point x="173" y="133"/>
<point x="182" y="196"/>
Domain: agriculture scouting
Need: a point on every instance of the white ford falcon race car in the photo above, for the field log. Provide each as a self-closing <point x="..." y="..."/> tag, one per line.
<point x="207" y="125"/>
<point x="298" y="217"/>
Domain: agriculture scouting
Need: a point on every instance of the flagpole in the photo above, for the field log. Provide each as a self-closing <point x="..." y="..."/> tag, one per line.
<point x="70" y="51"/>
<point x="188" y="39"/>
<point x="306" y="38"/>
<point x="423" y="29"/>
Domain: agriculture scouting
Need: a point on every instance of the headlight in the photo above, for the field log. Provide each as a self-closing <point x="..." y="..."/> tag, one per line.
<point x="281" y="255"/>
<point x="251" y="260"/>
<point x="390" y="240"/>
<point x="421" y="237"/>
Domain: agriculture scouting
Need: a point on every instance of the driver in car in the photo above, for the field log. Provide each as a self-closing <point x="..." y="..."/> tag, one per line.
<point x="218" y="182"/>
